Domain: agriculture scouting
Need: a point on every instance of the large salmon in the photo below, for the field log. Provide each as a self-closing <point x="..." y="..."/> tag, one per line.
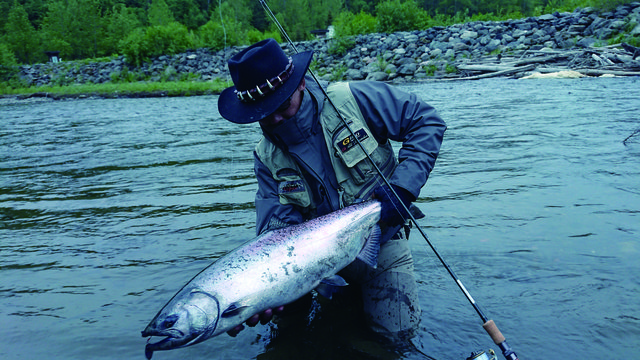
<point x="274" y="269"/>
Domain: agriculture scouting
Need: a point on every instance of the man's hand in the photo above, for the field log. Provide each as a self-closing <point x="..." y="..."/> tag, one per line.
<point x="393" y="213"/>
<point x="262" y="318"/>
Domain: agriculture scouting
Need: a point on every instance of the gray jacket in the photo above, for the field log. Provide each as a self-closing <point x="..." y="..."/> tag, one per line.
<point x="390" y="114"/>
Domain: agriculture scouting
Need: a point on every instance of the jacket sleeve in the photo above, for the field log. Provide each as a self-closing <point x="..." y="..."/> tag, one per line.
<point x="401" y="116"/>
<point x="270" y="213"/>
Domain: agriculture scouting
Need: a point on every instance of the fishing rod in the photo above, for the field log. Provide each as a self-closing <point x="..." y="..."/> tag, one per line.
<point x="489" y="325"/>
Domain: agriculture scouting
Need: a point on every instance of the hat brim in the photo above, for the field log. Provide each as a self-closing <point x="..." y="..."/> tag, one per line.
<point x="232" y="109"/>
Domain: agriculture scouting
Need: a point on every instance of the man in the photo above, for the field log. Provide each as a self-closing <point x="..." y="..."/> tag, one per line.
<point x="308" y="163"/>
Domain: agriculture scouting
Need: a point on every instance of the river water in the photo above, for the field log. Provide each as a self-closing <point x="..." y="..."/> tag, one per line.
<point x="107" y="207"/>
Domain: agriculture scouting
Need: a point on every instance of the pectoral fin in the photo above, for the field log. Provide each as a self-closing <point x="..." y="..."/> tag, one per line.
<point x="233" y="310"/>
<point x="330" y="286"/>
<point x="371" y="248"/>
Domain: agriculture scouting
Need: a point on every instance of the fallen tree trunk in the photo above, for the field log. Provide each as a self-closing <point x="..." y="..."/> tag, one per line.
<point x="539" y="59"/>
<point x="591" y="72"/>
<point x="588" y="62"/>
<point x="485" y="68"/>
<point x="513" y="64"/>
<point x="498" y="73"/>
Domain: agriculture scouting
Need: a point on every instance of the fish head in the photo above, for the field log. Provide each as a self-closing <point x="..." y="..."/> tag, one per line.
<point x="189" y="318"/>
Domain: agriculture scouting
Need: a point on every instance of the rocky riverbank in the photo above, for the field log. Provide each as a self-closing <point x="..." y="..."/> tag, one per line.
<point x="561" y="41"/>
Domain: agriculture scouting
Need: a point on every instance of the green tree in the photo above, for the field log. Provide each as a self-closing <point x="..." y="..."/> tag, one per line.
<point x="189" y="12"/>
<point x="294" y="16"/>
<point x="218" y="34"/>
<point x="229" y="25"/>
<point x="259" y="18"/>
<point x="35" y="9"/>
<point x="348" y="24"/>
<point x="119" y="23"/>
<point x="531" y="7"/>
<point x="143" y="44"/>
<point x="238" y="10"/>
<point x="159" y="13"/>
<point x="55" y="30"/>
<point x="400" y="15"/>
<point x="8" y="63"/>
<point x="7" y="58"/>
<point x="356" y="6"/>
<point x="323" y="12"/>
<point x="21" y="37"/>
<point x="73" y="27"/>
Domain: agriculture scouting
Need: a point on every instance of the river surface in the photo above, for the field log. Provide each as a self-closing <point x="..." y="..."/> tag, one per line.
<point x="107" y="207"/>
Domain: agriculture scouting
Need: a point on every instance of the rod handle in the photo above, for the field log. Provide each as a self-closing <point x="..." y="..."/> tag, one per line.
<point x="491" y="328"/>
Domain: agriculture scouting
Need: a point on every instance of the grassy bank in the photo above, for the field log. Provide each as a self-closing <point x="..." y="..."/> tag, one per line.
<point x="134" y="89"/>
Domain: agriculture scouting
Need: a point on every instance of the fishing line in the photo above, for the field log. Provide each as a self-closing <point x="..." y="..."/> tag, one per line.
<point x="630" y="136"/>
<point x="489" y="325"/>
<point x="224" y="30"/>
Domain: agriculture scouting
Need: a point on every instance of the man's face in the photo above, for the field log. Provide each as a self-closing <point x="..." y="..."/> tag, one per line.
<point x="288" y="109"/>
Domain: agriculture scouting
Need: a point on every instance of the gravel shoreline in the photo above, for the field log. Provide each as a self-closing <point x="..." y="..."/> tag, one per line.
<point x="575" y="41"/>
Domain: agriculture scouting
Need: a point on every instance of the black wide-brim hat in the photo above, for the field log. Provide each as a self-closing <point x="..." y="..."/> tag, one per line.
<point x="264" y="77"/>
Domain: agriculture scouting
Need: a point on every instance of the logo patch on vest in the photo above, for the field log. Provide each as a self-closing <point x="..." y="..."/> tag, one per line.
<point x="288" y="187"/>
<point x="349" y="142"/>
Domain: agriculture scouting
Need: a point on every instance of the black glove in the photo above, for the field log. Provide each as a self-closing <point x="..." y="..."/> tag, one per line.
<point x="393" y="213"/>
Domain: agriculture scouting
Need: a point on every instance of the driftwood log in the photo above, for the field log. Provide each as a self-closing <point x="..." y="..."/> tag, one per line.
<point x="615" y="60"/>
<point x="494" y="71"/>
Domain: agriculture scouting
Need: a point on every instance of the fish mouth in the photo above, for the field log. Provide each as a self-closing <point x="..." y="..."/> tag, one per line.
<point x="175" y="335"/>
<point x="153" y="346"/>
<point x="172" y="339"/>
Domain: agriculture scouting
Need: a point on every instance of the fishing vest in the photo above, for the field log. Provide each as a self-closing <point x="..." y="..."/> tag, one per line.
<point x="355" y="175"/>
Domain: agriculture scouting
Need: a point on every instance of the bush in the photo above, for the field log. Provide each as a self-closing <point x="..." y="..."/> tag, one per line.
<point x="253" y="36"/>
<point x="625" y="38"/>
<point x="126" y="76"/>
<point x="570" y="5"/>
<point x="132" y="46"/>
<point x="347" y="24"/>
<point x="143" y="44"/>
<point x="8" y="63"/>
<point x="430" y="69"/>
<point x="337" y="74"/>
<point x="7" y="57"/>
<point x="634" y="41"/>
<point x="216" y="36"/>
<point x="340" y="46"/>
<point x="169" y="39"/>
<point x="398" y="15"/>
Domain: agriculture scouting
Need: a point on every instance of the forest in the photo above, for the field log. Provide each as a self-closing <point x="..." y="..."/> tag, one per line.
<point x="139" y="29"/>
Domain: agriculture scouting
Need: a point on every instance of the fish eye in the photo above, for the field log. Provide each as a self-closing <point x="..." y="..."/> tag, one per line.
<point x="169" y="321"/>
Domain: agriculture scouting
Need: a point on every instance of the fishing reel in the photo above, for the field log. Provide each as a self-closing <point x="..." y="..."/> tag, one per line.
<point x="481" y="355"/>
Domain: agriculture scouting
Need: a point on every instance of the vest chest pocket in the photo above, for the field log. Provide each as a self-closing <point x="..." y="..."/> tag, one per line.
<point x="347" y="149"/>
<point x="292" y="188"/>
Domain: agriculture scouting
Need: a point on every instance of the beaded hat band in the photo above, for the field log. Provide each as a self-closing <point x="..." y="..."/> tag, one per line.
<point x="252" y="98"/>
<point x="269" y="86"/>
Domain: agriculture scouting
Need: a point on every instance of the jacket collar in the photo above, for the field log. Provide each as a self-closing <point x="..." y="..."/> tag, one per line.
<point x="304" y="124"/>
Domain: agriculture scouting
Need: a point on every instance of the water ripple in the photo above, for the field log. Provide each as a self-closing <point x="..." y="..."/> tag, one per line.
<point x="107" y="207"/>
